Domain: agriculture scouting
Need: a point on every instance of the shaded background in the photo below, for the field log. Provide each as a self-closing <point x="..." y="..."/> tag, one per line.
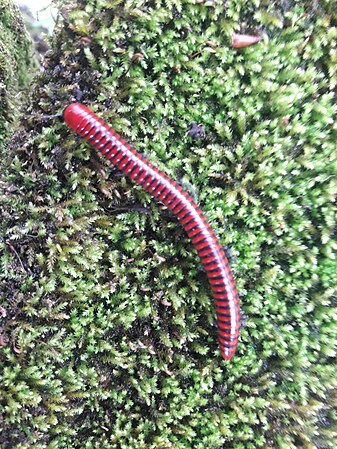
<point x="41" y="10"/>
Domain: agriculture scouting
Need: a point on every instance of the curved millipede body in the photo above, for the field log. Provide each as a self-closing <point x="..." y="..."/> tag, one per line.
<point x="114" y="148"/>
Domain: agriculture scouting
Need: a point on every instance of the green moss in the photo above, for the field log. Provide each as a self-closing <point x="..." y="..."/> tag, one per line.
<point x="109" y="332"/>
<point x="17" y="64"/>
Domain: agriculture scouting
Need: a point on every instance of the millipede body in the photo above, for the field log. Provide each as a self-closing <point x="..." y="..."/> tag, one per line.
<point x="115" y="149"/>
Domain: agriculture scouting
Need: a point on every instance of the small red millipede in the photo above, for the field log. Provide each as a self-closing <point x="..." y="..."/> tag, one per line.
<point x="115" y="149"/>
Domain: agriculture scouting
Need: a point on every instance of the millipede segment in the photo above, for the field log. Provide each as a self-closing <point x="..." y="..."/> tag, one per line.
<point x="115" y="149"/>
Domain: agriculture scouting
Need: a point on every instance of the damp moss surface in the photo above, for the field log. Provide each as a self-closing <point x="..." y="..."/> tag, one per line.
<point x="106" y="321"/>
<point x="17" y="64"/>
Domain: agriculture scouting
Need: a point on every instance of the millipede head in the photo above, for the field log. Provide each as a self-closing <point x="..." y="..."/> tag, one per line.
<point x="73" y="112"/>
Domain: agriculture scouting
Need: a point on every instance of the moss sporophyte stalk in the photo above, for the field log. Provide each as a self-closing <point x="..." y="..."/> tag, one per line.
<point x="108" y="335"/>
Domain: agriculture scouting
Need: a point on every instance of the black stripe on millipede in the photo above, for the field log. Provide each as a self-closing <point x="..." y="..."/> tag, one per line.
<point x="104" y="148"/>
<point x="197" y="234"/>
<point x="165" y="194"/>
<point x="204" y="239"/>
<point x="219" y="290"/>
<point x="227" y="315"/>
<point x="121" y="161"/>
<point x="126" y="167"/>
<point x="115" y="155"/>
<point x="90" y="140"/>
<point x="230" y="339"/>
<point x="179" y="207"/>
<point x="211" y="262"/>
<point x="183" y="212"/>
<point x="159" y="189"/>
<point x="214" y="270"/>
<point x="190" y="221"/>
<point x="224" y="316"/>
<point x="155" y="179"/>
<point x="227" y="344"/>
<point x="140" y="173"/>
<point x="87" y="120"/>
<point x="141" y="178"/>
<point x="178" y="203"/>
<point x="144" y="180"/>
<point x="204" y="246"/>
<point x="221" y="311"/>
<point x="99" y="131"/>
<point x="85" y="132"/>
<point x="135" y="168"/>
<point x="222" y="308"/>
<point x="171" y="198"/>
<point x="215" y="278"/>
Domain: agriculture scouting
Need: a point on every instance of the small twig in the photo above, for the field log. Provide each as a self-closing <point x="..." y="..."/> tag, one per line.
<point x="134" y="207"/>
<point x="46" y="117"/>
<point x="193" y="55"/>
<point x="13" y="249"/>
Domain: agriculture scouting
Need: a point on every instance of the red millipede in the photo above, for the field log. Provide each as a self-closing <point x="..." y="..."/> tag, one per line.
<point x="115" y="149"/>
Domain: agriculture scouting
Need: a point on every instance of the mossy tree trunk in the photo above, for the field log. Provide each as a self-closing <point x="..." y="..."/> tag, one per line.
<point x="17" y="64"/>
<point x="107" y="324"/>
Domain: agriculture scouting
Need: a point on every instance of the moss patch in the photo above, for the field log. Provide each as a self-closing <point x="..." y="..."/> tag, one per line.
<point x="108" y="338"/>
<point x="17" y="65"/>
